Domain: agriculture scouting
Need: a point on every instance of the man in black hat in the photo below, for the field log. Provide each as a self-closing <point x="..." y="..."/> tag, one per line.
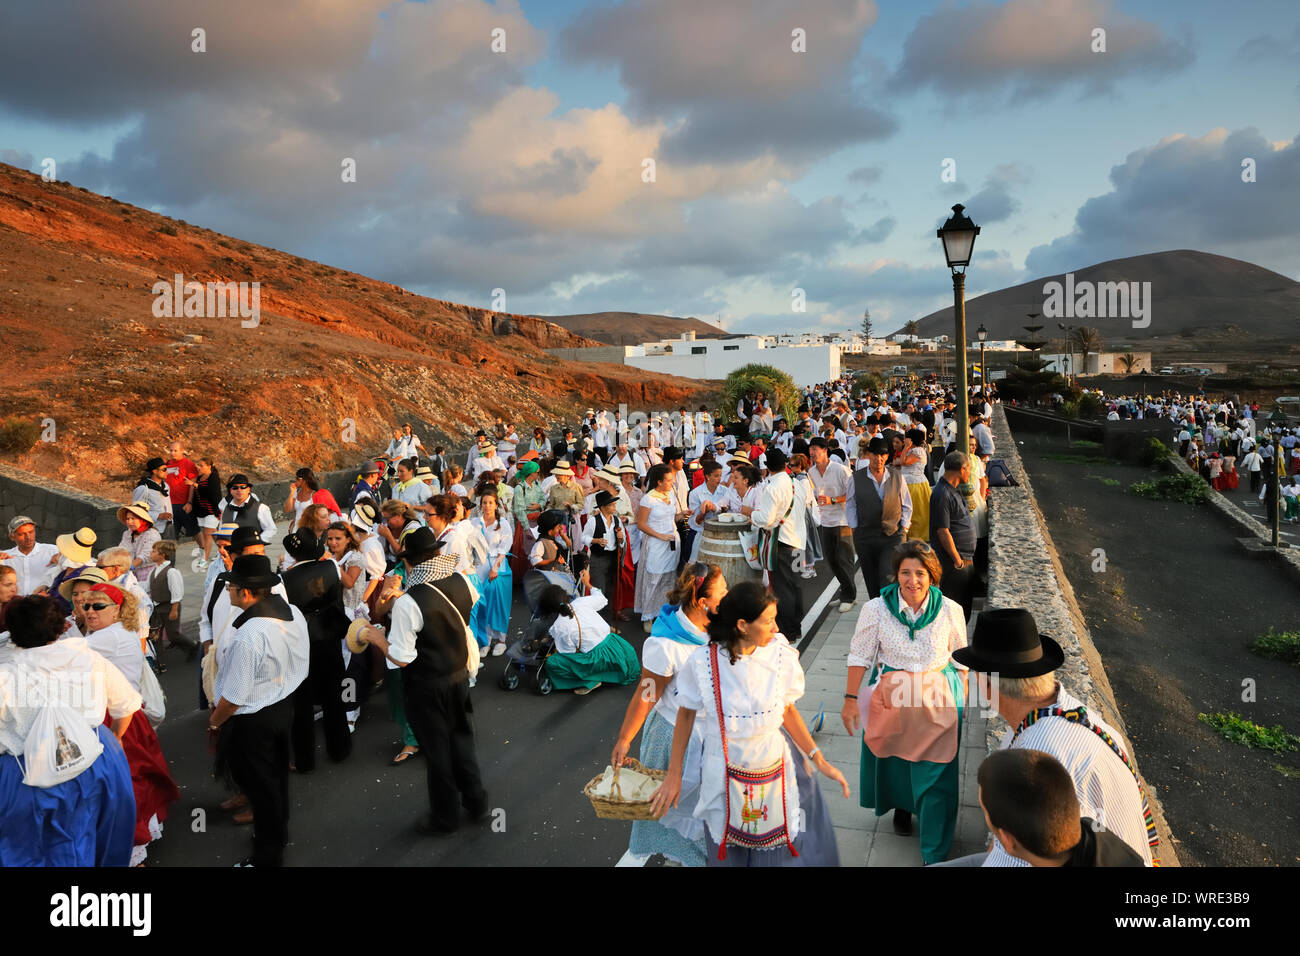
<point x="606" y="538"/>
<point x="245" y="509"/>
<point x="152" y="488"/>
<point x="315" y="588"/>
<point x="1013" y="666"/>
<point x="879" y="511"/>
<point x="428" y="638"/>
<point x="367" y="486"/>
<point x="262" y="663"/>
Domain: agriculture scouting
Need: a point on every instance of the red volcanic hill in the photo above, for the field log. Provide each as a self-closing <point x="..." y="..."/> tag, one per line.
<point x="84" y="348"/>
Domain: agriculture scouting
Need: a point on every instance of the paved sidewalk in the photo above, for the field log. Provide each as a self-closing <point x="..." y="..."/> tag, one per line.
<point x="865" y="839"/>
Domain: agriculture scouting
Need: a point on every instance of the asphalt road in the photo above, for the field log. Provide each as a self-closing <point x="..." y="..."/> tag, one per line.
<point x="536" y="754"/>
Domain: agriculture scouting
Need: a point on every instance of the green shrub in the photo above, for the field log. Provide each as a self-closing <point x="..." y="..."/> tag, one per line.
<point x="778" y="386"/>
<point x="167" y="229"/>
<point x="1239" y="730"/>
<point x="1090" y="406"/>
<point x="1070" y="408"/>
<point x="1154" y="452"/>
<point x="17" y="434"/>
<point x="1283" y="647"/>
<point x="1187" y="488"/>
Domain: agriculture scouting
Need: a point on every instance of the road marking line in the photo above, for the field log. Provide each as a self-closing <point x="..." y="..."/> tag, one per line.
<point x="811" y="617"/>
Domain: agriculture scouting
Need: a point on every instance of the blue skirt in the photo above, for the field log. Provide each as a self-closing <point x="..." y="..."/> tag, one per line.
<point x="815" y="844"/>
<point x="491" y="611"/>
<point x="651" y="836"/>
<point x="88" y="821"/>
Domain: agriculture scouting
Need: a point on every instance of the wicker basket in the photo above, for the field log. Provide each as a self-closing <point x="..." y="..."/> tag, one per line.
<point x="609" y="809"/>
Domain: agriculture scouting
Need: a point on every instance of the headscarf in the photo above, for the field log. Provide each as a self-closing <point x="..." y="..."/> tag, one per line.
<point x="113" y="593"/>
<point x="527" y="468"/>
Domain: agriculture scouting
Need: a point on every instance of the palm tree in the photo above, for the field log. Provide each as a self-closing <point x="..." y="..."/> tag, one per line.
<point x="1087" y="340"/>
<point x="912" y="328"/>
<point x="1129" y="362"/>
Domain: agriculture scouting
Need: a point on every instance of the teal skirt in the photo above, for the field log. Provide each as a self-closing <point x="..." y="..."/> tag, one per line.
<point x="929" y="790"/>
<point x="612" y="661"/>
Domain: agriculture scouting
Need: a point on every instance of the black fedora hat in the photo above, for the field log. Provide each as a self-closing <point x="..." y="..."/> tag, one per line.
<point x="302" y="545"/>
<point x="252" y="571"/>
<point x="1006" y="642"/>
<point x="244" y="537"/>
<point x="420" y="545"/>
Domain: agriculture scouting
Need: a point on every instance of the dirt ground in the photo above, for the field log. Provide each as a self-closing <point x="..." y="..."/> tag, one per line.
<point x="1173" y="615"/>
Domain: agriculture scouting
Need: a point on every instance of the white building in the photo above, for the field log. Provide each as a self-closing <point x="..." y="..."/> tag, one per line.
<point x="1103" y="363"/>
<point x="807" y="364"/>
<point x="996" y="345"/>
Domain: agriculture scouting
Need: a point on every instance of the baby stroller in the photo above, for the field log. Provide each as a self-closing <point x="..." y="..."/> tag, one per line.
<point x="528" y="655"/>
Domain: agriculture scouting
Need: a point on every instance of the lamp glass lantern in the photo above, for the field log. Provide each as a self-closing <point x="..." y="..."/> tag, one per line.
<point x="983" y="333"/>
<point x="958" y="236"/>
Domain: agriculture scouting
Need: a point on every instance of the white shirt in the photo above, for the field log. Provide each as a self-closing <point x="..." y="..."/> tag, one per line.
<point x="778" y="495"/>
<point x="121" y="648"/>
<point x="262" y="662"/>
<point x="755" y="692"/>
<point x="406" y="621"/>
<point x="223" y="612"/>
<point x="1106" y="789"/>
<point x="879" y="630"/>
<point x="34" y="569"/>
<point x="82" y="680"/>
<point x="611" y="524"/>
<point x="586" y="628"/>
<point x="264" y="519"/>
<point x="666" y="657"/>
<point x="851" y="507"/>
<point x="486" y="463"/>
<point x="175" y="581"/>
<point x="837" y="482"/>
<point x="700" y="494"/>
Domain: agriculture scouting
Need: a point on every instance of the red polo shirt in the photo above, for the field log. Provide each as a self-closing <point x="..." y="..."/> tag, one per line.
<point x="177" y="471"/>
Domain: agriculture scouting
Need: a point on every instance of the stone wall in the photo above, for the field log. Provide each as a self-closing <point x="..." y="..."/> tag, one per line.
<point x="1025" y="571"/>
<point x="602" y="353"/>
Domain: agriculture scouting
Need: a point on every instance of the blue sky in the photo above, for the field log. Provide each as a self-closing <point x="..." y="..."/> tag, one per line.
<point x="521" y="170"/>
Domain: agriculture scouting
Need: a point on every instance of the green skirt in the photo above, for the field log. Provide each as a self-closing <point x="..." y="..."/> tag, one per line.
<point x="929" y="790"/>
<point x="612" y="661"/>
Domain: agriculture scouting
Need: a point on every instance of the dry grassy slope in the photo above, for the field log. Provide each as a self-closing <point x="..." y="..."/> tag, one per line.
<point x="84" y="348"/>
<point x="630" y="328"/>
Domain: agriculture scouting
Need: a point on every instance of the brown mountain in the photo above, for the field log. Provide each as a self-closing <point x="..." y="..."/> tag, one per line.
<point x="631" y="328"/>
<point x="1193" y="293"/>
<point x="335" y="355"/>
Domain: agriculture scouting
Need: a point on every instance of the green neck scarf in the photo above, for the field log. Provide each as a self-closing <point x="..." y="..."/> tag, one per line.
<point x="932" y="607"/>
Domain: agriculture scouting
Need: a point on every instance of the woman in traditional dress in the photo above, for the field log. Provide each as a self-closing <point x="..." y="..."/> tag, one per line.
<point x="743" y="496"/>
<point x="587" y="653"/>
<point x="759" y="804"/>
<point x="911" y="627"/>
<point x="529" y="502"/>
<point x="139" y="537"/>
<point x="490" y="619"/>
<point x="88" y="820"/>
<point x="112" y="617"/>
<point x="656" y="518"/>
<point x="678" y="630"/>
<point x="540" y="444"/>
<point x="912" y="458"/>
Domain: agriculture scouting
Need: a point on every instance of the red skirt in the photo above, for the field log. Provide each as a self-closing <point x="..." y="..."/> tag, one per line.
<point x="625" y="586"/>
<point x="154" y="788"/>
<point x="519" y="563"/>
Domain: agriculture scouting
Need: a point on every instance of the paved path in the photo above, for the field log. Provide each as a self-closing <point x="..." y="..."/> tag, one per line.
<point x="865" y="839"/>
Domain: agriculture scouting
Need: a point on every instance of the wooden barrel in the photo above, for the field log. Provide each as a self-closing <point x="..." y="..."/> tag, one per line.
<point x="720" y="545"/>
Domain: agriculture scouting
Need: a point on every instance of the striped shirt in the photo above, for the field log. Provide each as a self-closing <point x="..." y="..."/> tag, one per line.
<point x="1106" y="789"/>
<point x="265" y="659"/>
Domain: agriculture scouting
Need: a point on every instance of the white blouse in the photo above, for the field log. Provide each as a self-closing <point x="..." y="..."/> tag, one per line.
<point x="666" y="657"/>
<point x="121" y="647"/>
<point x="756" y="691"/>
<point x="352" y="596"/>
<point x="586" y="624"/>
<point x="931" y="650"/>
<point x="70" y="669"/>
<point x="660" y="557"/>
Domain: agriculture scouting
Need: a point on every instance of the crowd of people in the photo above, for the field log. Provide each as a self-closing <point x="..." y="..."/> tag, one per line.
<point x="407" y="581"/>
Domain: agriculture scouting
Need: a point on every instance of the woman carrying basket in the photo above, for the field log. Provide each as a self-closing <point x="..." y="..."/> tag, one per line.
<point x="743" y="685"/>
<point x="680" y="628"/>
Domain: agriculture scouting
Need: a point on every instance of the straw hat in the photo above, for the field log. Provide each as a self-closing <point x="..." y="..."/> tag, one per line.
<point x="91" y="575"/>
<point x="364" y="515"/>
<point x="626" y="469"/>
<point x="76" y="547"/>
<point x="356" y="642"/>
<point x="610" y="474"/>
<point x="486" y="447"/>
<point x="739" y="458"/>
<point x="138" y="508"/>
<point x="562" y="470"/>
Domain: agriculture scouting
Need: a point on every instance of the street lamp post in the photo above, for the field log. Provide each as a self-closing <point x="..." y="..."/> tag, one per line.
<point x="958" y="237"/>
<point x="1069" y="344"/>
<point x="983" y="333"/>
